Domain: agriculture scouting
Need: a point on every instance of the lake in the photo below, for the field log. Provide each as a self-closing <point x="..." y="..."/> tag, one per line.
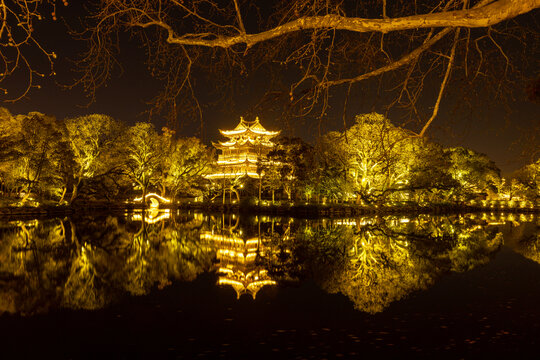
<point x="184" y="285"/>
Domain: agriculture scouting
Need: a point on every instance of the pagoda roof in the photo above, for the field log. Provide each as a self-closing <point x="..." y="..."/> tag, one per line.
<point x="242" y="142"/>
<point x="243" y="283"/>
<point x="253" y="127"/>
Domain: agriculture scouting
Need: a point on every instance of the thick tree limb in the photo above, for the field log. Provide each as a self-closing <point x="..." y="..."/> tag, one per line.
<point x="490" y="14"/>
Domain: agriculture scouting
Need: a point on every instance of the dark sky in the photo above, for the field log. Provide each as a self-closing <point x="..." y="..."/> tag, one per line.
<point x="496" y="132"/>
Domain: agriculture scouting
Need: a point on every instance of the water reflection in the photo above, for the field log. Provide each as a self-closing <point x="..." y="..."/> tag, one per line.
<point x="238" y="250"/>
<point x="89" y="262"/>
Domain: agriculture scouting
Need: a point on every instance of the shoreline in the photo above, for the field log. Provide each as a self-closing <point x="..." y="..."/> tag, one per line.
<point x="301" y="211"/>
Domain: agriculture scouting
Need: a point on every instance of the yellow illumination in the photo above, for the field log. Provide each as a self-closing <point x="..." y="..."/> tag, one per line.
<point x="248" y="144"/>
<point x="152" y="196"/>
<point x="153" y="216"/>
<point x="236" y="256"/>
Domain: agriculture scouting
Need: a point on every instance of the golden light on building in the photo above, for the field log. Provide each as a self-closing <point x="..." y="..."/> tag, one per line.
<point x="248" y="144"/>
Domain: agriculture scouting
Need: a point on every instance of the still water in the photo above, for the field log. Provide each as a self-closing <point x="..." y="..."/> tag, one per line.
<point x="186" y="285"/>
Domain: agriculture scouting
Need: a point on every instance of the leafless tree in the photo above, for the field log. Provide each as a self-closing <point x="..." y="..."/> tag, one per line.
<point x="322" y="45"/>
<point x="21" y="50"/>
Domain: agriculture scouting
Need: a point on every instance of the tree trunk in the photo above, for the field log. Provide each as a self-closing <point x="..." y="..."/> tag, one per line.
<point x="63" y="194"/>
<point x="223" y="190"/>
<point x="143" y="198"/>
<point x="260" y="188"/>
<point x="74" y="193"/>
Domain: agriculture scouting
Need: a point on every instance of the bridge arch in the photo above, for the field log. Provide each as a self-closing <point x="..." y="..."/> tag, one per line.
<point x="154" y="199"/>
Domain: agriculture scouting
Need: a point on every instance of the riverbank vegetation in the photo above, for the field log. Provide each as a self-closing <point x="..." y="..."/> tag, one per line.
<point x="92" y="158"/>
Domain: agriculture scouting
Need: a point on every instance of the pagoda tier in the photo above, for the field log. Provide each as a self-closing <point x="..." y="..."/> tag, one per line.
<point x="237" y="266"/>
<point x="248" y="144"/>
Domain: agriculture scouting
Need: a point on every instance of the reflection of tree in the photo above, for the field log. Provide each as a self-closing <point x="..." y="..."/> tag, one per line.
<point x="376" y="261"/>
<point x="528" y="244"/>
<point x="33" y="258"/>
<point x="89" y="262"/>
<point x="389" y="261"/>
<point x="82" y="288"/>
<point x="315" y="250"/>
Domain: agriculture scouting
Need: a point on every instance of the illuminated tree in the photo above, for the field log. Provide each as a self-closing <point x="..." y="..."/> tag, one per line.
<point x="293" y="160"/>
<point x="326" y="44"/>
<point x="284" y="167"/>
<point x="10" y="149"/>
<point x="92" y="138"/>
<point x="43" y="157"/>
<point x="272" y="178"/>
<point x="329" y="177"/>
<point x="373" y="155"/>
<point x="474" y="172"/>
<point x="525" y="183"/>
<point x="186" y="165"/>
<point x="144" y="148"/>
<point x="428" y="177"/>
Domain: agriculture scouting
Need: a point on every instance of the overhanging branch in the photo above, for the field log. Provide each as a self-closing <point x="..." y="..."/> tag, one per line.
<point x="481" y="16"/>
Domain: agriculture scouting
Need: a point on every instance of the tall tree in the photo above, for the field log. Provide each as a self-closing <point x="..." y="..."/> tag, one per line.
<point x="474" y="172"/>
<point x="92" y="138"/>
<point x="41" y="149"/>
<point x="187" y="164"/>
<point x="375" y="154"/>
<point x="144" y="146"/>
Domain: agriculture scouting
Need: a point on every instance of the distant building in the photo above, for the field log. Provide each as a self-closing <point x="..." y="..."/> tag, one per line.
<point x="248" y="143"/>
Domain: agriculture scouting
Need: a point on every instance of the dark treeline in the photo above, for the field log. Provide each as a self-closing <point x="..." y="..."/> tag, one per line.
<point x="95" y="157"/>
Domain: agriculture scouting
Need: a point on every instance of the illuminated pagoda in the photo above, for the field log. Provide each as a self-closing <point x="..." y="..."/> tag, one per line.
<point x="247" y="143"/>
<point x="236" y="256"/>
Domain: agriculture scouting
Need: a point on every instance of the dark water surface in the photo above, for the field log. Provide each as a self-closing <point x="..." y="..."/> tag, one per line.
<point x="191" y="285"/>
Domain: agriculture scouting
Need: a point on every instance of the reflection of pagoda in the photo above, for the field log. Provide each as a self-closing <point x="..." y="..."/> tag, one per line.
<point x="248" y="143"/>
<point x="236" y="257"/>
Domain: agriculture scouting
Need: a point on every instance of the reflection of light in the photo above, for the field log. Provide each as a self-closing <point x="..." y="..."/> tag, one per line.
<point x="242" y="283"/>
<point x="153" y="215"/>
<point x="236" y="255"/>
<point x="231" y="174"/>
<point x="350" y="222"/>
<point x="405" y="220"/>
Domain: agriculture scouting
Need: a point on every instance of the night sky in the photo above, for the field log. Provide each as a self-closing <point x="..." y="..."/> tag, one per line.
<point x="494" y="131"/>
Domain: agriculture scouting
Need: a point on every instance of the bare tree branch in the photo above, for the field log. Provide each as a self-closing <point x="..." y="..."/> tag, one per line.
<point x="19" y="45"/>
<point x="443" y="84"/>
<point x="484" y="16"/>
